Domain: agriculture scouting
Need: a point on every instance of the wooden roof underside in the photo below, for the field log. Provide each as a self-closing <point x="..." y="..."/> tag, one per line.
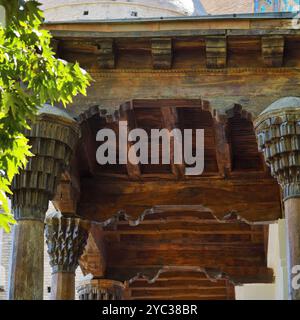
<point x="165" y="234"/>
<point x="169" y="236"/>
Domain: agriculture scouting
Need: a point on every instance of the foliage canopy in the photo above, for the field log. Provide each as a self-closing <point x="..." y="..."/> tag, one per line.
<point x="30" y="76"/>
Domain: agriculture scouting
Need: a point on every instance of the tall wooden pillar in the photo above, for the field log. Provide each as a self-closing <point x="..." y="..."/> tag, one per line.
<point x="278" y="133"/>
<point x="53" y="137"/>
<point x="101" y="289"/>
<point x="66" y="239"/>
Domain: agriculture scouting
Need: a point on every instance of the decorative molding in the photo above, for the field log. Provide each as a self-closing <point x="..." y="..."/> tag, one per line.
<point x="106" y="53"/>
<point x="278" y="135"/>
<point x="162" y="54"/>
<point x="211" y="274"/>
<point x="272" y="48"/>
<point x="164" y="72"/>
<point x="216" y="52"/>
<point x="101" y="289"/>
<point x="66" y="239"/>
<point x="230" y="217"/>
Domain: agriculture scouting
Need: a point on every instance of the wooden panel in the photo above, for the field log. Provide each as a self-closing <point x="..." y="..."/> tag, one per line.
<point x="101" y="200"/>
<point x="245" y="154"/>
<point x="195" y="118"/>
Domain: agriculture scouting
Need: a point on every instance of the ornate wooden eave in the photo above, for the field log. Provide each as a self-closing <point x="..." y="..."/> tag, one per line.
<point x="217" y="42"/>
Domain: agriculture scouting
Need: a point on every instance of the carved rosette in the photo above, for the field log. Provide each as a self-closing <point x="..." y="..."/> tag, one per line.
<point x="53" y="138"/>
<point x="278" y="135"/>
<point x="66" y="239"/>
<point x="101" y="289"/>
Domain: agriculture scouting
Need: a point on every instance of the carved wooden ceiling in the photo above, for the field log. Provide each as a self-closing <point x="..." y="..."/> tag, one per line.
<point x="167" y="235"/>
<point x="230" y="145"/>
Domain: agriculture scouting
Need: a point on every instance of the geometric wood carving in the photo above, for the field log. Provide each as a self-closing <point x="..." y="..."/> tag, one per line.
<point x="53" y="140"/>
<point x="66" y="240"/>
<point x="278" y="135"/>
<point x="272" y="50"/>
<point x="161" y="53"/>
<point x="216" y="52"/>
<point x="101" y="289"/>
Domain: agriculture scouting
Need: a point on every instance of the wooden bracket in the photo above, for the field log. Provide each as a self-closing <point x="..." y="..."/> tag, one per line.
<point x="272" y="48"/>
<point x="216" y="52"/>
<point x="162" y="54"/>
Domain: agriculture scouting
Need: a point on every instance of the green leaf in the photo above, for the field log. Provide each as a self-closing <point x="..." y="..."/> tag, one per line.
<point x="30" y="76"/>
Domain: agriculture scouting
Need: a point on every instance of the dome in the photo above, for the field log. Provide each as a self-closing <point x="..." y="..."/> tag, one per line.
<point x="78" y="10"/>
<point x="54" y="111"/>
<point x="283" y="104"/>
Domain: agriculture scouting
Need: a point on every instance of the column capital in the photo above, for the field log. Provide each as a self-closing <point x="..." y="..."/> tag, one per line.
<point x="53" y="137"/>
<point x="278" y="134"/>
<point x="66" y="239"/>
<point x="101" y="289"/>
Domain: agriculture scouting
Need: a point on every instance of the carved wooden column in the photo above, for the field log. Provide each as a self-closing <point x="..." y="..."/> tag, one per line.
<point x="53" y="138"/>
<point x="278" y="132"/>
<point x="101" y="289"/>
<point x="66" y="239"/>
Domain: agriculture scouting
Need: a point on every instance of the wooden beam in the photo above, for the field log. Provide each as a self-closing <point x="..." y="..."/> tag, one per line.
<point x="273" y="50"/>
<point x="223" y="149"/>
<point x="252" y="199"/>
<point x="216" y="52"/>
<point x="206" y="259"/>
<point x="181" y="283"/>
<point x="170" y="120"/>
<point x="162" y="54"/>
<point x="88" y="146"/>
<point x="176" y="293"/>
<point x="68" y="190"/>
<point x="66" y="198"/>
<point x="127" y="114"/>
<point x="106" y="53"/>
<point x="190" y="229"/>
